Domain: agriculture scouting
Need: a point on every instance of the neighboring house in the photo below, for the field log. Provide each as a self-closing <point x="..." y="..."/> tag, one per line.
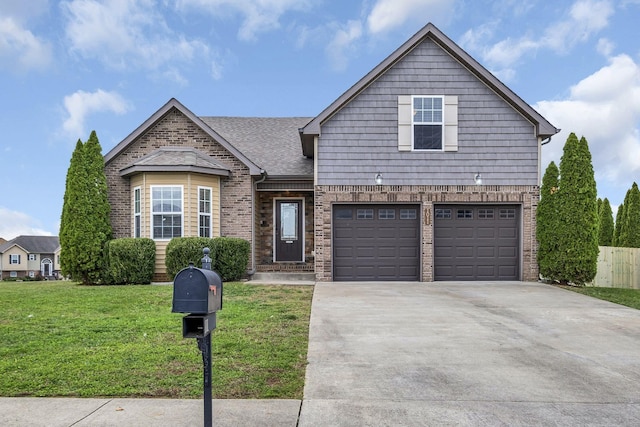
<point x="426" y="169"/>
<point x="30" y="256"/>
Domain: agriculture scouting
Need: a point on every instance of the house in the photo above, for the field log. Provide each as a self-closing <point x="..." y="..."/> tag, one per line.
<point x="428" y="168"/>
<point x="30" y="256"/>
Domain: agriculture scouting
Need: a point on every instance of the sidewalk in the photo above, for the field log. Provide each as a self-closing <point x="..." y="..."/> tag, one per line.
<point x="78" y="412"/>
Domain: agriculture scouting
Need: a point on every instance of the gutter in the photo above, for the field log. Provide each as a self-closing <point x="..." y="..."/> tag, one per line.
<point x="263" y="176"/>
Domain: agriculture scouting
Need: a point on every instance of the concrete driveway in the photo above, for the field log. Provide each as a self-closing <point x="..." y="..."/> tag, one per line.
<point x="457" y="353"/>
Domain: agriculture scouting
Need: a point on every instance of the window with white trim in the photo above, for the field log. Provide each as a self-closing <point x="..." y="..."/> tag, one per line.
<point x="14" y="259"/>
<point x="166" y="211"/>
<point x="32" y="257"/>
<point x="427" y="122"/>
<point x="204" y="211"/>
<point x="137" y="212"/>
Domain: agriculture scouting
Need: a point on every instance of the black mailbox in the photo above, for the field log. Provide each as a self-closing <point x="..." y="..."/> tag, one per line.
<point x="197" y="291"/>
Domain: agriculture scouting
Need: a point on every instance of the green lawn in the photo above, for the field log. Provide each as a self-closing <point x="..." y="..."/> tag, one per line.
<point x="628" y="297"/>
<point x="63" y="339"/>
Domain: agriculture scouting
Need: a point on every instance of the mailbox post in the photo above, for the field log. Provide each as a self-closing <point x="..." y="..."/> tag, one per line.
<point x="198" y="291"/>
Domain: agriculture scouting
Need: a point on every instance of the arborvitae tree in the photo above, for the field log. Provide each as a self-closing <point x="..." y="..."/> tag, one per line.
<point x="547" y="227"/>
<point x="631" y="219"/>
<point x="618" y="226"/>
<point x="71" y="209"/>
<point x="623" y="230"/>
<point x="85" y="227"/>
<point x="577" y="213"/>
<point x="605" y="223"/>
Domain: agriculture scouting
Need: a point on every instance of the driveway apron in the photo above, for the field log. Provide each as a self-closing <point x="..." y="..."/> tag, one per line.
<point x="469" y="353"/>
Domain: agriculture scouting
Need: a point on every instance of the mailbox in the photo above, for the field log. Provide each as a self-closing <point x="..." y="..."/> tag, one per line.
<point x="197" y="291"/>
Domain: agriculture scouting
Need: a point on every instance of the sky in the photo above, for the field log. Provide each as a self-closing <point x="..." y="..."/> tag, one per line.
<point x="70" y="67"/>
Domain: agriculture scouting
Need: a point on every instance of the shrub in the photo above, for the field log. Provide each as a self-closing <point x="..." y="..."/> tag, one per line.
<point x="184" y="250"/>
<point x="230" y="257"/>
<point x="130" y="261"/>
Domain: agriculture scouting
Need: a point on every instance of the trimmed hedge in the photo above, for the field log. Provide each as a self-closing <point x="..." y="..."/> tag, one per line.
<point x="229" y="255"/>
<point x="184" y="250"/>
<point x="130" y="261"/>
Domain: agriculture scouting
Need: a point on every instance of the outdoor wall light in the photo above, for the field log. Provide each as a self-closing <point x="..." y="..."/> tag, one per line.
<point x="378" y="179"/>
<point x="478" y="179"/>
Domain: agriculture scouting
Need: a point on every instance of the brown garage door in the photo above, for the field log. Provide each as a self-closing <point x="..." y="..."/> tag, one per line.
<point x="476" y="242"/>
<point x="376" y="242"/>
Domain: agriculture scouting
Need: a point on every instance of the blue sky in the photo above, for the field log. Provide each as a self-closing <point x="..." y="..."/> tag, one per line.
<point x="69" y="67"/>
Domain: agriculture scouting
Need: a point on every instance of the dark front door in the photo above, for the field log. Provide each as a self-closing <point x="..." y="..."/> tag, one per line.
<point x="289" y="233"/>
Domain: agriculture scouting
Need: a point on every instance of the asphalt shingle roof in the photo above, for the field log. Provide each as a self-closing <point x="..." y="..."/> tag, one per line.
<point x="273" y="143"/>
<point x="179" y="159"/>
<point x="33" y="244"/>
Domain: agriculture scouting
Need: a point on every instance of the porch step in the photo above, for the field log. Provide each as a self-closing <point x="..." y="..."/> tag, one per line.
<point x="288" y="278"/>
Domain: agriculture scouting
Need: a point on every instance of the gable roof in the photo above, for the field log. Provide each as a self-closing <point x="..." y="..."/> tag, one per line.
<point x="271" y="142"/>
<point x="176" y="159"/>
<point x="544" y="129"/>
<point x="33" y="244"/>
<point x="158" y="115"/>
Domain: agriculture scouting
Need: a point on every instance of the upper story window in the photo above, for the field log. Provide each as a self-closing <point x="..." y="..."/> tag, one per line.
<point x="428" y="122"/>
<point x="14" y="259"/>
<point x="137" y="225"/>
<point x="166" y="211"/>
<point x="204" y="211"/>
<point x="32" y="257"/>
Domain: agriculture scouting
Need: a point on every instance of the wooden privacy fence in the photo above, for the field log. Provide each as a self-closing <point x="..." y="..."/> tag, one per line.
<point x="618" y="268"/>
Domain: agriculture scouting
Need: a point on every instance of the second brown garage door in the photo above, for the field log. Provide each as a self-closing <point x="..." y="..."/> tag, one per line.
<point x="476" y="242"/>
<point x="376" y="242"/>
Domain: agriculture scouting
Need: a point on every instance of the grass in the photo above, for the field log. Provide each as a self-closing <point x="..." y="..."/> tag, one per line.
<point x="628" y="297"/>
<point x="63" y="339"/>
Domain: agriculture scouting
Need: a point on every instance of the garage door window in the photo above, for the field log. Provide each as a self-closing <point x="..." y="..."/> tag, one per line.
<point x="365" y="213"/>
<point x="343" y="213"/>
<point x="464" y="214"/>
<point x="386" y="214"/>
<point x="408" y="214"/>
<point x="443" y="213"/>
<point x="485" y="213"/>
<point x="507" y="213"/>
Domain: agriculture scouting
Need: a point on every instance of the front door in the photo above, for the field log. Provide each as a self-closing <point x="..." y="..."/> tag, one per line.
<point x="289" y="236"/>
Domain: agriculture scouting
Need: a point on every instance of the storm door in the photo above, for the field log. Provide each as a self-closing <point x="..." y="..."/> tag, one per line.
<point x="289" y="235"/>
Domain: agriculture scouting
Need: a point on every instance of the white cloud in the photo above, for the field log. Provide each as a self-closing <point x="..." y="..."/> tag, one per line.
<point x="342" y="43"/>
<point x="20" y="49"/>
<point x="582" y="20"/>
<point x="80" y="104"/>
<point x="605" y="109"/>
<point x="387" y="15"/>
<point x="605" y="47"/>
<point x="127" y="34"/>
<point x="14" y="224"/>
<point x="257" y="16"/>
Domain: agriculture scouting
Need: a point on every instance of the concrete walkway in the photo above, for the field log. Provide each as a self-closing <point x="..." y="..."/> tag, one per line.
<point x="414" y="354"/>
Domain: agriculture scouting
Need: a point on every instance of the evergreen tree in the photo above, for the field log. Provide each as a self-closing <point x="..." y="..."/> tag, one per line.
<point x="605" y="233"/>
<point x="577" y="213"/>
<point x="547" y="227"/>
<point x="631" y="219"/>
<point x="621" y="241"/>
<point x="85" y="227"/>
<point x="618" y="226"/>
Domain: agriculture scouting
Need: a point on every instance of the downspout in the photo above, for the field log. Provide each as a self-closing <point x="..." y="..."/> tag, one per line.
<point x="263" y="176"/>
<point x="545" y="142"/>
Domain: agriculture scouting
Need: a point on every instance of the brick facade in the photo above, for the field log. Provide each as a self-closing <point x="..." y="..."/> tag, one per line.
<point x="524" y="196"/>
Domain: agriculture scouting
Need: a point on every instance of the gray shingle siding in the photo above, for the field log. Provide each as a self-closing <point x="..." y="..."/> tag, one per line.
<point x="361" y="139"/>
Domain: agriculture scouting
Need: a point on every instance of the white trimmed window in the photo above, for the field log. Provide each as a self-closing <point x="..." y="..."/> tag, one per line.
<point x="14" y="259"/>
<point x="32" y="257"/>
<point x="427" y="123"/>
<point x="204" y="211"/>
<point x="166" y="211"/>
<point x="137" y="225"/>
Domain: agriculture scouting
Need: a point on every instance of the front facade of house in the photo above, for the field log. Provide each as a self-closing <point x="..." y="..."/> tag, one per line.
<point x="30" y="257"/>
<point x="426" y="169"/>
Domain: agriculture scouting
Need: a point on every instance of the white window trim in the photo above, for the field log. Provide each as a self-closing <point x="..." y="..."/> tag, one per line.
<point x="153" y="213"/>
<point x="137" y="214"/>
<point x="405" y="124"/>
<point x="32" y="257"/>
<point x="15" y="257"/>
<point x="441" y="124"/>
<point x="210" y="213"/>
